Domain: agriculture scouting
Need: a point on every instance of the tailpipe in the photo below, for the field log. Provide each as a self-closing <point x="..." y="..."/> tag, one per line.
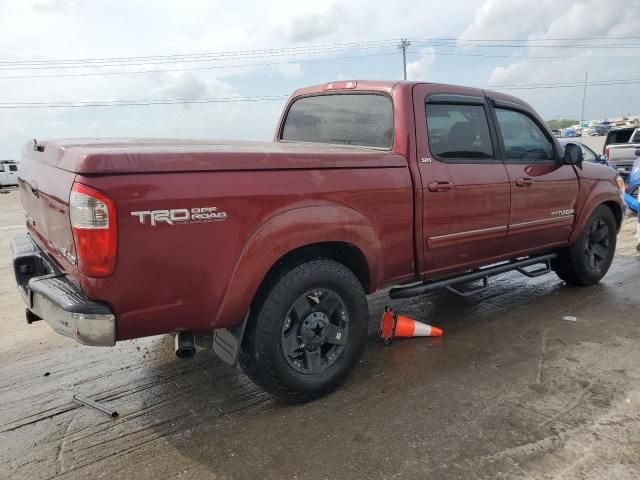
<point x="185" y="345"/>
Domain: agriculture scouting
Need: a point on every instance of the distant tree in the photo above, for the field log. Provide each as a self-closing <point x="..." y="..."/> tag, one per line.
<point x="560" y="124"/>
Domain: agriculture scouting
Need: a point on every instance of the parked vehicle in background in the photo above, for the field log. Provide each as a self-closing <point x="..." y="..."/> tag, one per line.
<point x="590" y="155"/>
<point x="8" y="173"/>
<point x="591" y="132"/>
<point x="633" y="182"/>
<point x="602" y="129"/>
<point x="569" y="133"/>
<point x="556" y="133"/>
<point x="621" y="147"/>
<point x="273" y="246"/>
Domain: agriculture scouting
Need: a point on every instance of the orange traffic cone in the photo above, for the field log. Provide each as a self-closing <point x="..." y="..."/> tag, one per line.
<point x="393" y="325"/>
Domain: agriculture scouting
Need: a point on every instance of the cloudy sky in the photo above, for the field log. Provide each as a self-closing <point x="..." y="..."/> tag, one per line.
<point x="253" y="49"/>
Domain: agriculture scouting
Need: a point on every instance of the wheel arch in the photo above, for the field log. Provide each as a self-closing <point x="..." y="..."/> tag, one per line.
<point x="616" y="208"/>
<point x="330" y="231"/>
<point x="607" y="198"/>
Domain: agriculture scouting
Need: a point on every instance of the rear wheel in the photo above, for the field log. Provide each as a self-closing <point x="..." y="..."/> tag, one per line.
<point x="589" y="258"/>
<point x="308" y="329"/>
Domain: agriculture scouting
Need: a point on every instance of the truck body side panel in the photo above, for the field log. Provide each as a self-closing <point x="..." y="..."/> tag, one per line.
<point x="186" y="268"/>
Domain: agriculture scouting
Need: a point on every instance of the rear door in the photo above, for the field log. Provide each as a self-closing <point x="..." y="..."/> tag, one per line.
<point x="465" y="184"/>
<point x="543" y="190"/>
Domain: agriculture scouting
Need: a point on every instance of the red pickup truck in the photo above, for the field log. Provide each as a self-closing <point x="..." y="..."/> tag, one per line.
<point x="273" y="246"/>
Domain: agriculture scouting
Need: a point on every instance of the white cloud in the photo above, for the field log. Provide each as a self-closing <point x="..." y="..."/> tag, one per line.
<point x="187" y="85"/>
<point x="289" y="69"/>
<point x="580" y="19"/>
<point x="420" y="68"/>
<point x="55" y="29"/>
<point x="507" y="19"/>
<point x="313" y="25"/>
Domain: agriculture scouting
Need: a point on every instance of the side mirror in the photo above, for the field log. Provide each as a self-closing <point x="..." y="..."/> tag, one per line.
<point x="572" y="155"/>
<point x="602" y="158"/>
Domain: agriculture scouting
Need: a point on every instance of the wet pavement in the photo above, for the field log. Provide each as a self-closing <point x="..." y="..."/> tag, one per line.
<point x="511" y="391"/>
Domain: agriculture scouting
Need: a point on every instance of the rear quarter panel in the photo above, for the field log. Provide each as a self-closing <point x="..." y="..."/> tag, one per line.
<point x="204" y="275"/>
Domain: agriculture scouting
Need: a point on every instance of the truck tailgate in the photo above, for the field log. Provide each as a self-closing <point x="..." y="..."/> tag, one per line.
<point x="45" y="191"/>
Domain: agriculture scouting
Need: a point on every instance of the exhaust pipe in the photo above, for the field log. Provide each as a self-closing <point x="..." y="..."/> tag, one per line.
<point x="185" y="345"/>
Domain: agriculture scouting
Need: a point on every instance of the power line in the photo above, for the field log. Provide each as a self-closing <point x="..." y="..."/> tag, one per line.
<point x="306" y="60"/>
<point x="261" y="53"/>
<point x="130" y="103"/>
<point x="189" y="58"/>
<point x="463" y="44"/>
<point x="189" y="69"/>
<point x="534" y="86"/>
<point x="541" y="57"/>
<point x="233" y="99"/>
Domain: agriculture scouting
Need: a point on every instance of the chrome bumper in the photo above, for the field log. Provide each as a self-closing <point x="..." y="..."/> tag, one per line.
<point x="50" y="296"/>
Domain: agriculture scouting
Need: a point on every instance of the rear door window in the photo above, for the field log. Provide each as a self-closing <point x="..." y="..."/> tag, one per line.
<point x="523" y="139"/>
<point x="13" y="168"/>
<point x="458" y="132"/>
<point x="364" y="120"/>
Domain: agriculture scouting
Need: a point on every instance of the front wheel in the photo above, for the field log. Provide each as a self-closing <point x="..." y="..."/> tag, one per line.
<point x="308" y="330"/>
<point x="589" y="258"/>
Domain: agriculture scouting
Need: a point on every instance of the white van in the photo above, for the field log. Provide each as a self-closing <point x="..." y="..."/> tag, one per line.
<point x="8" y="173"/>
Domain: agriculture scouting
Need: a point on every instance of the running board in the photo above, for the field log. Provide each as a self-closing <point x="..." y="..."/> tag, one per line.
<point x="451" y="283"/>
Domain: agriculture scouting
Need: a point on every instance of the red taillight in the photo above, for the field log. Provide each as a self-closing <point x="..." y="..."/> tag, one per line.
<point x="606" y="152"/>
<point x="93" y="221"/>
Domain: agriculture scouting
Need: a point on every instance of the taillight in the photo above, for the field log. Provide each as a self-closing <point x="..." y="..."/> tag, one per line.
<point x="606" y="153"/>
<point x="93" y="221"/>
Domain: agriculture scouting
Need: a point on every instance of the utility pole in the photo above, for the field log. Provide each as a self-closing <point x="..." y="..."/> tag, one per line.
<point x="584" y="96"/>
<point x="403" y="45"/>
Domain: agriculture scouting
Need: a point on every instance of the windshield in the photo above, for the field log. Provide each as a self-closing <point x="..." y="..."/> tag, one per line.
<point x="344" y="119"/>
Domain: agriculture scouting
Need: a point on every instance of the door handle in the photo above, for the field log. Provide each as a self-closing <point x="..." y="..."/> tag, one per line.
<point x="439" y="186"/>
<point x="524" y="182"/>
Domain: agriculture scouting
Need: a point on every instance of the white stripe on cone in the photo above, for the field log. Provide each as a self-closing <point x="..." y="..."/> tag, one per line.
<point x="421" y="329"/>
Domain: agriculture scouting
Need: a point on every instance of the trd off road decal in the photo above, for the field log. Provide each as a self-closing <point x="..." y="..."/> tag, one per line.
<point x="179" y="216"/>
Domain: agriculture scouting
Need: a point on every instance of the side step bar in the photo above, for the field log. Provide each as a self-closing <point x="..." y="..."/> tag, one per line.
<point x="480" y="274"/>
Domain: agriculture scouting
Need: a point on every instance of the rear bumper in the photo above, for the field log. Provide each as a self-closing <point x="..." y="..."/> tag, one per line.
<point x="50" y="296"/>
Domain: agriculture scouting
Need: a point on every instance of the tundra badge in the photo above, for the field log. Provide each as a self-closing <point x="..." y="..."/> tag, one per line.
<point x="562" y="213"/>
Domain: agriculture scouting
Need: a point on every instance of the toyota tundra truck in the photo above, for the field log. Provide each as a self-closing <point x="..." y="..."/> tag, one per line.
<point x="270" y="248"/>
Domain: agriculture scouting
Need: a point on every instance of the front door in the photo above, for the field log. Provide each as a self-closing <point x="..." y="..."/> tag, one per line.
<point x="543" y="190"/>
<point x="464" y="183"/>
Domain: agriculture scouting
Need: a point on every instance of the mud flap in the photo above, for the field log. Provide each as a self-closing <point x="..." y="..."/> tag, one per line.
<point x="228" y="341"/>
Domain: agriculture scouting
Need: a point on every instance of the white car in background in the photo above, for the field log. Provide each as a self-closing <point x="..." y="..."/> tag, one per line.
<point x="8" y="173"/>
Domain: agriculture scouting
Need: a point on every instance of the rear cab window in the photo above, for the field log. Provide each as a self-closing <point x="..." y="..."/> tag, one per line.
<point x="619" y="136"/>
<point x="458" y="132"/>
<point x="357" y="119"/>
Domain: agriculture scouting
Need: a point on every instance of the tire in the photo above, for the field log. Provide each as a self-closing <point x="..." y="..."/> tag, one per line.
<point x="588" y="259"/>
<point x="307" y="329"/>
